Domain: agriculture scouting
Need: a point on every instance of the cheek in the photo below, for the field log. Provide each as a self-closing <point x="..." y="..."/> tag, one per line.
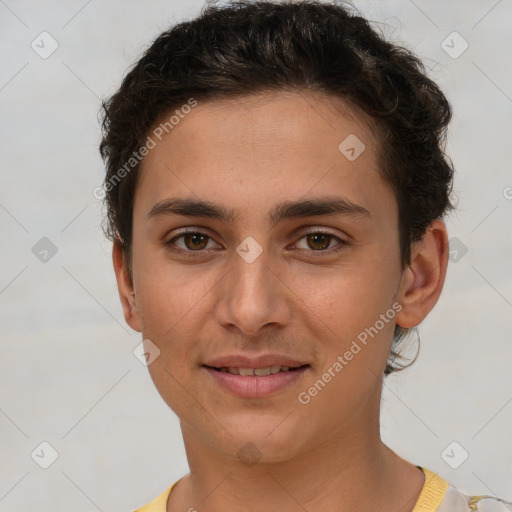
<point x="342" y="308"/>
<point x="169" y="316"/>
<point x="169" y="293"/>
<point x="345" y="297"/>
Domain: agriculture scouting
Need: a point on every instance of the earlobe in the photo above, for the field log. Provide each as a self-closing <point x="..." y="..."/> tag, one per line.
<point x="423" y="279"/>
<point x="125" y="288"/>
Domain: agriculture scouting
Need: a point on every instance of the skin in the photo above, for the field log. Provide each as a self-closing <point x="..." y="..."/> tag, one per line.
<point x="248" y="155"/>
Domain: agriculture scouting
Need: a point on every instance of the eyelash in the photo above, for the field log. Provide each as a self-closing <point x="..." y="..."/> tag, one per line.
<point x="321" y="252"/>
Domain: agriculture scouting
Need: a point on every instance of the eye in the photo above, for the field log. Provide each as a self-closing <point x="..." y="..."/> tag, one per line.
<point x="193" y="241"/>
<point x="320" y="241"/>
<point x="197" y="242"/>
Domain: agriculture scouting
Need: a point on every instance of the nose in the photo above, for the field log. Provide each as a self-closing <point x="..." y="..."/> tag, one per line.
<point x="253" y="296"/>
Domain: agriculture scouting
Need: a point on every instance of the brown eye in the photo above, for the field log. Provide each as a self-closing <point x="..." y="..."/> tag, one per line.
<point x="319" y="241"/>
<point x="189" y="242"/>
<point x="195" y="241"/>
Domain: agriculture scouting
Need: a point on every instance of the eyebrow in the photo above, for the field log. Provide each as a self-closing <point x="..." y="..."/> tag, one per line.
<point x="285" y="210"/>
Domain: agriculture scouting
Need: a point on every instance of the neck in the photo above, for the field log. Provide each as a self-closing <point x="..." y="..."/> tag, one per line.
<point x="339" y="476"/>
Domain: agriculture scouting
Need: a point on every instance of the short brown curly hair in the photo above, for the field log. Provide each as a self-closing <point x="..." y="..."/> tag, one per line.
<point x="246" y="47"/>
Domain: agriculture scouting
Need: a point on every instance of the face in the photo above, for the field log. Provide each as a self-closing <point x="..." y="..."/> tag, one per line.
<point x="289" y="258"/>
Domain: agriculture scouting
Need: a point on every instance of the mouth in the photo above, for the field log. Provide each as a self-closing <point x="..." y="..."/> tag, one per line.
<point x="255" y="382"/>
<point x="257" y="372"/>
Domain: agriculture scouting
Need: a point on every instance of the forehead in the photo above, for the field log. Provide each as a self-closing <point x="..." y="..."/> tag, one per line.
<point x="269" y="120"/>
<point x="272" y="144"/>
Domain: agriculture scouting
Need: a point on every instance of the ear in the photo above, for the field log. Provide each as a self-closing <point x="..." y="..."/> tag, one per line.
<point x="125" y="288"/>
<point x="423" y="280"/>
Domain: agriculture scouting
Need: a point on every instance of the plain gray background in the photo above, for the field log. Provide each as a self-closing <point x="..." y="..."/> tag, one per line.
<point x="68" y="373"/>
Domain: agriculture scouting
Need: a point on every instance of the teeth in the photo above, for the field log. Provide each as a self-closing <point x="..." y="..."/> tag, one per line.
<point x="259" y="372"/>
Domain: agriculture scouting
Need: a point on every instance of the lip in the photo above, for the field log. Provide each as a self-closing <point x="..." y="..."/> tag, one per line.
<point x="261" y="361"/>
<point x="246" y="386"/>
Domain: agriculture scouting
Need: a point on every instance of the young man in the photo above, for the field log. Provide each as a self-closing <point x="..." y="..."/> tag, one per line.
<point x="275" y="187"/>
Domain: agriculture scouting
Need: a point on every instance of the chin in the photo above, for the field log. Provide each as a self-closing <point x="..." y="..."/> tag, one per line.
<point x="258" y="441"/>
